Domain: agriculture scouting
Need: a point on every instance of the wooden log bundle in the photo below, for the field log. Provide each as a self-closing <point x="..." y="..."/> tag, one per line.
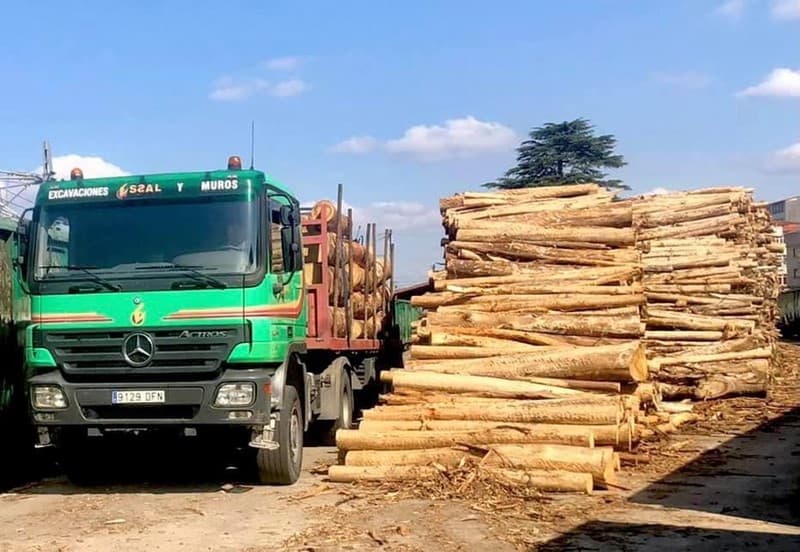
<point x="711" y="282"/>
<point x="530" y="333"/>
<point x="357" y="275"/>
<point x="560" y="314"/>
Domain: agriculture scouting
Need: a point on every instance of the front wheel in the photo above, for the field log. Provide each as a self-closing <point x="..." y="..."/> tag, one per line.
<point x="282" y="466"/>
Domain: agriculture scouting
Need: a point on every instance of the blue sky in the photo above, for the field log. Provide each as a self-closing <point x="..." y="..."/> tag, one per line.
<point x="405" y="102"/>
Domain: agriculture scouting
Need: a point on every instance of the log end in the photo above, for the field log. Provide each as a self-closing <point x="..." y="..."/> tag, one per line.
<point x="639" y="368"/>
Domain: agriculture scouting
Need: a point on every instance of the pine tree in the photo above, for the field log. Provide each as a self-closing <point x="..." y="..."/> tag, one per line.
<point x="563" y="153"/>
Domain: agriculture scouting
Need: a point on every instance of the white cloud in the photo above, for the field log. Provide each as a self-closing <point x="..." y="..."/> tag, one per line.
<point x="228" y="89"/>
<point x="289" y="63"/>
<point x="399" y="215"/>
<point x="457" y="138"/>
<point x="285" y="89"/>
<point x="356" y="145"/>
<point x="785" y="9"/>
<point x="92" y="166"/>
<point x="731" y="9"/>
<point x="787" y="159"/>
<point x="690" y="80"/>
<point x="780" y="83"/>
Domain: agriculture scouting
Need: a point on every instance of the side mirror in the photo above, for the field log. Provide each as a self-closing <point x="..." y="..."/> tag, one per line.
<point x="21" y="238"/>
<point x="290" y="215"/>
<point x="286" y="215"/>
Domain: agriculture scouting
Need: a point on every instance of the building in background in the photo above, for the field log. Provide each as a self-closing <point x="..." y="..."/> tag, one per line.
<point x="786" y="210"/>
<point x="791" y="237"/>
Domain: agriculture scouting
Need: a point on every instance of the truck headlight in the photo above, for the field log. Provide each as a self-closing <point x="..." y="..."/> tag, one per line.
<point x="235" y="394"/>
<point x="48" y="397"/>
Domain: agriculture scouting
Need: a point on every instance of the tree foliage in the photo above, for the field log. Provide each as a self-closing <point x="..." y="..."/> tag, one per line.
<point x="563" y="153"/>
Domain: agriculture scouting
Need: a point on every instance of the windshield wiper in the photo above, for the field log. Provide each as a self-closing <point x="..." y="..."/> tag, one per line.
<point x="190" y="271"/>
<point x="88" y="271"/>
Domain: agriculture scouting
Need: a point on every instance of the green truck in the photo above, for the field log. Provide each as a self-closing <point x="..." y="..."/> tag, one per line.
<point x="178" y="303"/>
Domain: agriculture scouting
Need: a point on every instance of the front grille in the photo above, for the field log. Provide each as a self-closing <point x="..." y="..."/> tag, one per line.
<point x="98" y="354"/>
<point x="141" y="412"/>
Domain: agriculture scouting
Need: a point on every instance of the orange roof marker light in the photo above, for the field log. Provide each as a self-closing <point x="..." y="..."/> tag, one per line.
<point x="76" y="174"/>
<point x="234" y="163"/>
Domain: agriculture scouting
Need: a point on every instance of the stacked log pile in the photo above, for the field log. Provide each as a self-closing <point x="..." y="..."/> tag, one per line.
<point x="531" y="333"/>
<point x="358" y="283"/>
<point x="711" y="282"/>
<point x="555" y="308"/>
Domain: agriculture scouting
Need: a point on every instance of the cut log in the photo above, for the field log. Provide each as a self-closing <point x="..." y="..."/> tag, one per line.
<point x="681" y="320"/>
<point x="683" y="335"/>
<point x="648" y="393"/>
<point x="326" y="210"/>
<point x="598" y="461"/>
<point x="604" y="435"/>
<point x="431" y="352"/>
<point x="550" y="481"/>
<point x="372" y="328"/>
<point x="764" y="352"/>
<point x="599" y="410"/>
<point x="718" y="386"/>
<point x="624" y="362"/>
<point x="584" y="385"/>
<point x="530" y="289"/>
<point x="499" y="231"/>
<point x="557" y="253"/>
<point x="543" y="480"/>
<point x="504" y="303"/>
<point x="490" y="387"/>
<point x="676" y="392"/>
<point x="356" y="439"/>
<point x="351" y="474"/>
<point x="463" y="335"/>
<point x="579" y="324"/>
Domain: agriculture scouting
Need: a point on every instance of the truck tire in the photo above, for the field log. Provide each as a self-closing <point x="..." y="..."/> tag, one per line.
<point x="345" y="419"/>
<point x="282" y="466"/>
<point x="79" y="461"/>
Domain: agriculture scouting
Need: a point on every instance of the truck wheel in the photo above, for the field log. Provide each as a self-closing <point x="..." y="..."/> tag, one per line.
<point x="78" y="459"/>
<point x="345" y="420"/>
<point x="282" y="466"/>
<point x="346" y="408"/>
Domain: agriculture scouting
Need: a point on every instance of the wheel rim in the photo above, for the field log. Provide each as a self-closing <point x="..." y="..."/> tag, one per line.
<point x="294" y="435"/>
<point x="347" y="411"/>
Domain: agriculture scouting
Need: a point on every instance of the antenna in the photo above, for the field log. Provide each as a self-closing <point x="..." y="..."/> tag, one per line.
<point x="252" y="143"/>
<point x="47" y="166"/>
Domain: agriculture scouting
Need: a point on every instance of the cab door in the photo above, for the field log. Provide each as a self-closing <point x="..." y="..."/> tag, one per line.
<point x="286" y="266"/>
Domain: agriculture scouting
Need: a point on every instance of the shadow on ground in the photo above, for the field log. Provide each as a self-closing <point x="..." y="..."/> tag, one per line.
<point x="599" y="535"/>
<point x="729" y="498"/>
<point x="143" y="465"/>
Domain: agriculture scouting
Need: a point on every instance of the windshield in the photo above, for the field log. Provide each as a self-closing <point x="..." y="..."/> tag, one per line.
<point x="137" y="238"/>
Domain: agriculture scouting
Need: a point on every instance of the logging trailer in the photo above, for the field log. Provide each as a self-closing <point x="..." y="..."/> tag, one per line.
<point x="196" y="304"/>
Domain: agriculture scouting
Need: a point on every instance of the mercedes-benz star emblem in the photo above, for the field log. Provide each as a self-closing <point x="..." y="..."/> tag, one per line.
<point x="138" y="349"/>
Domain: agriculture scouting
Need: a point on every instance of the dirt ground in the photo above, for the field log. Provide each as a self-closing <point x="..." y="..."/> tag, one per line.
<point x="729" y="483"/>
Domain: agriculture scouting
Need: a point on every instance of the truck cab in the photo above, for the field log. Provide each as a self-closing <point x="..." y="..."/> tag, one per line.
<point x="170" y="302"/>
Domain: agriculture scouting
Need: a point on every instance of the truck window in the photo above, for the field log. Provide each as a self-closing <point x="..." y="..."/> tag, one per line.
<point x="277" y="263"/>
<point x="56" y="251"/>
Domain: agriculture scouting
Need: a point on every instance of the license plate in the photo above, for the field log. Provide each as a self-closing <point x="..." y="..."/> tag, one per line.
<point x="137" y="397"/>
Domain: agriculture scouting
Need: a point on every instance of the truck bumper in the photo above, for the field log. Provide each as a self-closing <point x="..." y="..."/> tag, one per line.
<point x="187" y="404"/>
